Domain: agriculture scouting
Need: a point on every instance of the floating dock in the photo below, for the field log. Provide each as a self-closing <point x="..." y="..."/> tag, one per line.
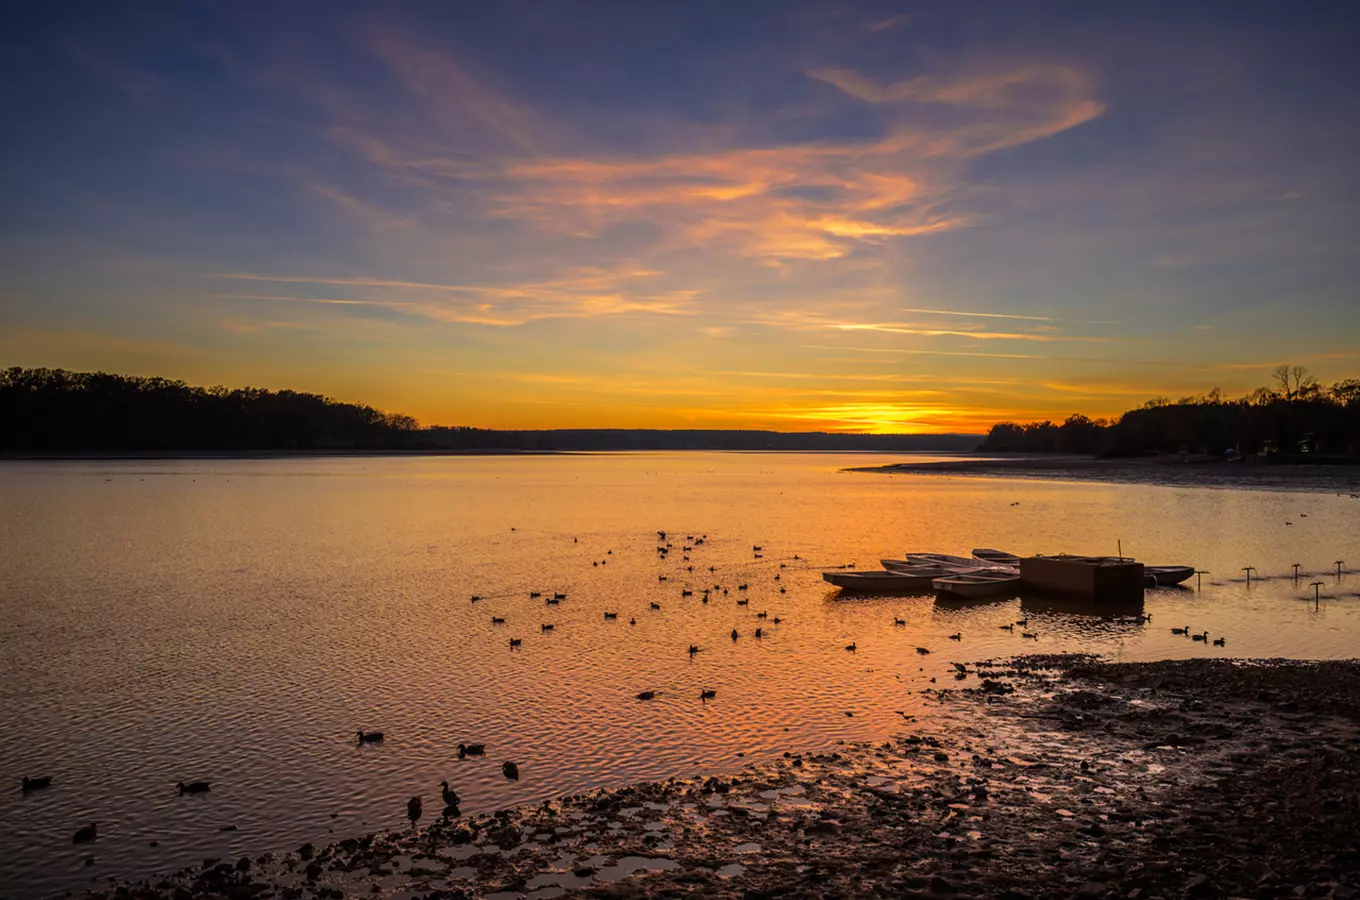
<point x="1101" y="578"/>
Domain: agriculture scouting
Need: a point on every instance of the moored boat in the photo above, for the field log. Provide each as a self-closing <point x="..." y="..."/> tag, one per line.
<point x="944" y="559"/>
<point x="999" y="557"/>
<point x="977" y="584"/>
<point x="1165" y="576"/>
<point x="882" y="582"/>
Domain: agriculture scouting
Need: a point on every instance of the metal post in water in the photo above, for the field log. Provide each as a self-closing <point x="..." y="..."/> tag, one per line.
<point x="1199" y="578"/>
<point x="1339" y="564"/>
<point x="1248" y="570"/>
<point x="1296" y="571"/>
<point x="1120" y="545"/>
<point x="1317" y="596"/>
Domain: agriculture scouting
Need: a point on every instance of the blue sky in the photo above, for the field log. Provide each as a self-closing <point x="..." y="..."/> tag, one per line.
<point x="886" y="216"/>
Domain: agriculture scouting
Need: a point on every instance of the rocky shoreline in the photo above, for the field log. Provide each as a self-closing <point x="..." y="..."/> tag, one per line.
<point x="1060" y="776"/>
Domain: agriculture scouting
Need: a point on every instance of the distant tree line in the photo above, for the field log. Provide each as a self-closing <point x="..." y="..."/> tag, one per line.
<point x="1294" y="418"/>
<point x="56" y="411"/>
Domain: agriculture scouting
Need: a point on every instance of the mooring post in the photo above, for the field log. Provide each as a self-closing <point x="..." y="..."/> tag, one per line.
<point x="1248" y="570"/>
<point x="1199" y="578"/>
<point x="1339" y="564"/>
<point x="1317" y="595"/>
<point x="1296" y="571"/>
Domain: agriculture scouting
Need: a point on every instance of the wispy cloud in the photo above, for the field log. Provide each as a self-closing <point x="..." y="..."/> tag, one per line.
<point x="984" y="315"/>
<point x="579" y="293"/>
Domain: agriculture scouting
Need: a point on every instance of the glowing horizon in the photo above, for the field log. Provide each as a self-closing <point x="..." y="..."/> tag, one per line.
<point x="789" y="218"/>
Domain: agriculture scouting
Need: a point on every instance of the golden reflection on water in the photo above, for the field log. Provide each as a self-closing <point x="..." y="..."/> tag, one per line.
<point x="238" y="621"/>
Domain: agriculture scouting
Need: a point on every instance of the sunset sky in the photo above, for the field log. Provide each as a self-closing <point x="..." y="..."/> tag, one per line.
<point x="819" y="216"/>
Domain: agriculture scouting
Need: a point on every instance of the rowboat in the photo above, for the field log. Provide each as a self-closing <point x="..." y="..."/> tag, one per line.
<point x="999" y="557"/>
<point x="1165" y="576"/>
<point x="944" y="559"/>
<point x="977" y="584"/>
<point x="902" y="567"/>
<point x="881" y="582"/>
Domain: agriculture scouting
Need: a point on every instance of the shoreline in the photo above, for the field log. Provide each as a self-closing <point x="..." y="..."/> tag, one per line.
<point x="1065" y="776"/>
<point x="1170" y="471"/>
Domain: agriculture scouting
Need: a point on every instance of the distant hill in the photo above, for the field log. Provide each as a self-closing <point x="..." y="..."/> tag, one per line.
<point x="56" y="411"/>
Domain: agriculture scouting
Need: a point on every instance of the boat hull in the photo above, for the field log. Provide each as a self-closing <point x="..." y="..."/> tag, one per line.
<point x="878" y="582"/>
<point x="975" y="587"/>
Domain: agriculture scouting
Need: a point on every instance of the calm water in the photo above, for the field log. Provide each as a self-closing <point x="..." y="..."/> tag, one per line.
<point x="237" y="621"/>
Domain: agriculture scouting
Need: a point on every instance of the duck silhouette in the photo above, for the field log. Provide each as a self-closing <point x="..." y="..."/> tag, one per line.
<point x="413" y="809"/>
<point x="466" y="750"/>
<point x="922" y="650"/>
<point x="1185" y="630"/>
<point x="956" y="637"/>
<point x="1220" y="642"/>
<point x="36" y="784"/>
<point x="85" y="834"/>
<point x="194" y="787"/>
<point x="646" y="695"/>
<point x="734" y="634"/>
<point x="510" y="770"/>
<point x="449" y="794"/>
<point x="852" y="647"/>
<point x="707" y="695"/>
<point x="515" y="642"/>
<point x="370" y="737"/>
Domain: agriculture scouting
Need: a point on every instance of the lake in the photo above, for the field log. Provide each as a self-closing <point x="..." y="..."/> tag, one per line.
<point x="237" y="621"/>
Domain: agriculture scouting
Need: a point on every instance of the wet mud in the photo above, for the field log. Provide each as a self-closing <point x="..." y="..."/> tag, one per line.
<point x="1060" y="776"/>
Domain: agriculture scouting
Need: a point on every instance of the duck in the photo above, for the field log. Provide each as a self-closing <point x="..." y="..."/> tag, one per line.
<point x="656" y="605"/>
<point x="646" y="695"/>
<point x="632" y="621"/>
<point x="510" y="770"/>
<point x="515" y="642"/>
<point x="85" y="833"/>
<point x="693" y="649"/>
<point x="1007" y="627"/>
<point x="497" y="620"/>
<point x="534" y="595"/>
<point x="545" y="627"/>
<point x="956" y="637"/>
<point x="1029" y="634"/>
<point x="476" y="597"/>
<point x="852" y="647"/>
<point x="707" y="695"/>
<point x="1200" y="637"/>
<point x="551" y="602"/>
<point x="466" y="750"/>
<point x="897" y="621"/>
<point x="413" y="809"/>
<point x="449" y="794"/>
<point x="610" y="615"/>
<point x="922" y="650"/>
<point x="37" y="784"/>
<point x="1185" y="630"/>
<point x="758" y="633"/>
<point x="741" y="587"/>
<point x="1022" y="622"/>
<point x="194" y="787"/>
<point x="776" y="620"/>
<point x="734" y="634"/>
<point x="1220" y="642"/>
<point x="559" y="596"/>
<point x="743" y="603"/>
<point x="370" y="737"/>
<point x="756" y="549"/>
<point x="762" y="615"/>
<point x="687" y="593"/>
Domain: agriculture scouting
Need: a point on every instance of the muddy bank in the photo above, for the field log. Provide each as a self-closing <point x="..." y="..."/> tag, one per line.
<point x="1057" y="777"/>
<point x="1163" y="470"/>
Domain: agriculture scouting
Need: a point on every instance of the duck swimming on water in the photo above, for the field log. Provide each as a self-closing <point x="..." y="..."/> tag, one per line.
<point x="511" y="771"/>
<point x="194" y="787"/>
<point x="370" y="737"/>
<point x="37" y="784"/>
<point x="466" y="750"/>
<point x="85" y="834"/>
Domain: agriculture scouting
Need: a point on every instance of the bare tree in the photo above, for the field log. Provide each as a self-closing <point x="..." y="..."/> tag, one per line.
<point x="1294" y="381"/>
